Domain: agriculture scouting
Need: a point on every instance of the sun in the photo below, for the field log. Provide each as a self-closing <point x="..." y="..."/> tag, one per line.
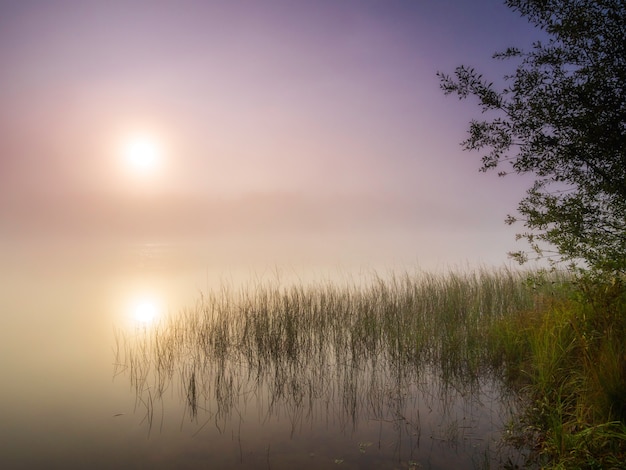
<point x="145" y="311"/>
<point x="143" y="154"/>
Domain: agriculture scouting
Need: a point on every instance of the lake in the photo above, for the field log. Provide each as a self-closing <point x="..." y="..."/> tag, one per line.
<point x="64" y="404"/>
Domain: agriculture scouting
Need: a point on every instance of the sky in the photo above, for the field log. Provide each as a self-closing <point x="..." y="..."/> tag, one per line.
<point x="282" y="131"/>
<point x="147" y="145"/>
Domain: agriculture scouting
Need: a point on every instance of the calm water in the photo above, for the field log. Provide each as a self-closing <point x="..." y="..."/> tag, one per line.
<point x="61" y="407"/>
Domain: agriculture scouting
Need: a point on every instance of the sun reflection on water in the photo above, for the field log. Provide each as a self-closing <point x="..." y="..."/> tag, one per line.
<point x="145" y="310"/>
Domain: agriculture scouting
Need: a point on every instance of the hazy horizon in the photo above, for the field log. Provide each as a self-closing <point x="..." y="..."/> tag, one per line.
<point x="150" y="150"/>
<point x="278" y="123"/>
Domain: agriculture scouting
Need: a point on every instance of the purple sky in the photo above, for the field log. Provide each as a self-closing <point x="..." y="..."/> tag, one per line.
<point x="287" y="127"/>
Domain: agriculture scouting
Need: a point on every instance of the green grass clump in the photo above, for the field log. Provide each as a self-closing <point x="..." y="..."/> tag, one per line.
<point x="568" y="356"/>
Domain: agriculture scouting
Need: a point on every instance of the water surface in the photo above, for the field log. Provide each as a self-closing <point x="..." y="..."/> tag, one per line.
<point x="62" y="407"/>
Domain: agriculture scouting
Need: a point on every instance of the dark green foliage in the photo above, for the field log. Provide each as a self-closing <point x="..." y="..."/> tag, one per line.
<point x="561" y="116"/>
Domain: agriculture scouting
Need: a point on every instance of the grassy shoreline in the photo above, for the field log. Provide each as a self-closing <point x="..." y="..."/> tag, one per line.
<point x="557" y="342"/>
<point x="568" y="357"/>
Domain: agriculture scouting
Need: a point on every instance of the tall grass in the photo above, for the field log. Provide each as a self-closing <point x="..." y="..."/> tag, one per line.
<point x="559" y="344"/>
<point x="568" y="356"/>
<point x="403" y="320"/>
<point x="360" y="347"/>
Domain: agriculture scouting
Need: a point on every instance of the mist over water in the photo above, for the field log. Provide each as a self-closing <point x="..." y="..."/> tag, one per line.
<point x="62" y="406"/>
<point x="151" y="152"/>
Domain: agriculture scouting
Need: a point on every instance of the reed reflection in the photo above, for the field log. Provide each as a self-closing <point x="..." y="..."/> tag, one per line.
<point x="405" y="355"/>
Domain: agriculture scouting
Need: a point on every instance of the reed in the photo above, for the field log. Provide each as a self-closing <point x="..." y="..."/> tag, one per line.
<point x="550" y="340"/>
<point x="295" y="333"/>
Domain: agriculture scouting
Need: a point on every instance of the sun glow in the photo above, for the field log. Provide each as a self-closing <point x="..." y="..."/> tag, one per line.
<point x="145" y="311"/>
<point x="143" y="154"/>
